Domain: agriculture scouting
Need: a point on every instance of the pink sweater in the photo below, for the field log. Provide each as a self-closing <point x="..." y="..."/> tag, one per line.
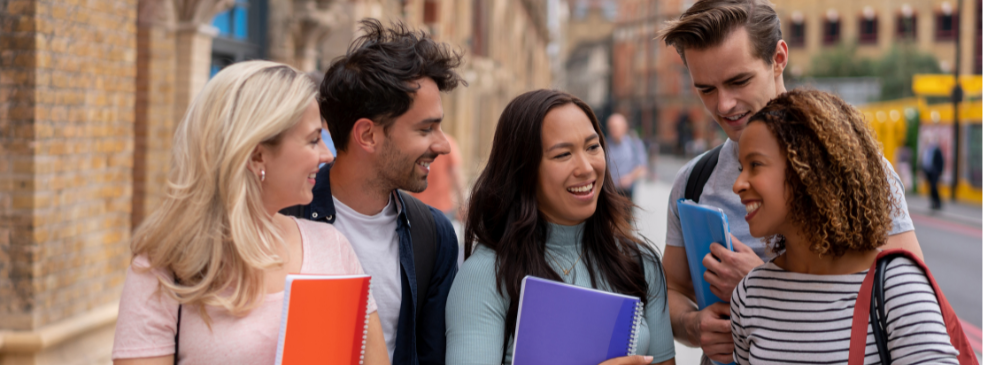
<point x="147" y="319"/>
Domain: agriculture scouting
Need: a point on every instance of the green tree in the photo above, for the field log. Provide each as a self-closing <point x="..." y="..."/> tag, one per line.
<point x="894" y="68"/>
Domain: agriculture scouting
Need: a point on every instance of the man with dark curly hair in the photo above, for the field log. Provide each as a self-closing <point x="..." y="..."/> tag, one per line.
<point x="735" y="55"/>
<point x="381" y="102"/>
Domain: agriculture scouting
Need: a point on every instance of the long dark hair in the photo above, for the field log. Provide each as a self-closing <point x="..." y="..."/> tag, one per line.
<point x="504" y="216"/>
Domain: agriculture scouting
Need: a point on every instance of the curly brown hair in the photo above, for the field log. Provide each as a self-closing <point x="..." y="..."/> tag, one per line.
<point x="839" y="196"/>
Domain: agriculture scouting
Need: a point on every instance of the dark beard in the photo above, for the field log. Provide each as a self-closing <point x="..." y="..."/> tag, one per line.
<point x="399" y="171"/>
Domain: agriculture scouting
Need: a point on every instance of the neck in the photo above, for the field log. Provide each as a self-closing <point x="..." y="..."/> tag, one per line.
<point x="798" y="258"/>
<point x="357" y="186"/>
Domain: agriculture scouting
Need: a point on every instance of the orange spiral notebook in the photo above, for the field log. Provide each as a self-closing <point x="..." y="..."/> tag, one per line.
<point x="324" y="320"/>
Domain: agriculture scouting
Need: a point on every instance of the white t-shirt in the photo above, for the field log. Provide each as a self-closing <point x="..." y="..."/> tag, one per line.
<point x="376" y="244"/>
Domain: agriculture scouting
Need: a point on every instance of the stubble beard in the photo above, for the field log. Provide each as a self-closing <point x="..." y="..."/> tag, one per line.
<point x="399" y="171"/>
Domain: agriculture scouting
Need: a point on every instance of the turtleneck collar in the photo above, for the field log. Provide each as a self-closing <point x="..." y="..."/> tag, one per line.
<point x="561" y="236"/>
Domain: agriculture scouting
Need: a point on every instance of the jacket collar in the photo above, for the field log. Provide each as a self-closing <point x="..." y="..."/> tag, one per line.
<point x="322" y="207"/>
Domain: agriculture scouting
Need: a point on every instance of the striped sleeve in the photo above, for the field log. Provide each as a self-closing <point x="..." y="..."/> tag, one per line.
<point x="737" y="329"/>
<point x="916" y="331"/>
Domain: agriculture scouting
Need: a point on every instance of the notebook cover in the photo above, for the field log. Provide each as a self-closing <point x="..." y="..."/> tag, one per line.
<point x="324" y="319"/>
<point x="565" y="324"/>
<point x="702" y="225"/>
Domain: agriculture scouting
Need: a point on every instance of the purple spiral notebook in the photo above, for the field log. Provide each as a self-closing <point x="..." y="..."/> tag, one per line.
<point x="560" y="323"/>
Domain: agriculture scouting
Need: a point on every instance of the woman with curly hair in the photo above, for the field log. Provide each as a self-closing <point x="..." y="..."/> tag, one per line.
<point x="812" y="181"/>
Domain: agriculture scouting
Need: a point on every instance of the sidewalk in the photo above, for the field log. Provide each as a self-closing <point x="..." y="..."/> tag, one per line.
<point x="957" y="212"/>
<point x="652" y="198"/>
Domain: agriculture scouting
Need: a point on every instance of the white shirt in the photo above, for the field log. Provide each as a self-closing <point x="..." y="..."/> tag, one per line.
<point x="376" y="244"/>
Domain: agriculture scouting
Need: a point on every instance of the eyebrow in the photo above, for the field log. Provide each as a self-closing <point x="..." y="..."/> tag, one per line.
<point x="568" y="144"/>
<point x="431" y="120"/>
<point x="728" y="81"/>
<point x="753" y="154"/>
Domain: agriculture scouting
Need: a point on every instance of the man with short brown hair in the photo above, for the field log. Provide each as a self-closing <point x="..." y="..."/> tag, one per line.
<point x="735" y="55"/>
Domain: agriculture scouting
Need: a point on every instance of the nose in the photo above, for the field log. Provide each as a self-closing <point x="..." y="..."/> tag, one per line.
<point x="582" y="164"/>
<point x="726" y="102"/>
<point x="741" y="184"/>
<point x="441" y="146"/>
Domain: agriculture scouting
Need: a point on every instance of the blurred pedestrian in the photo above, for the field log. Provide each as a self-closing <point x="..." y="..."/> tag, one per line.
<point x="626" y="154"/>
<point x="382" y="103"/>
<point x="209" y="265"/>
<point x="932" y="165"/>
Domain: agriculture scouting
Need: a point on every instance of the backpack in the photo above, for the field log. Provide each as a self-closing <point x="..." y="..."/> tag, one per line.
<point x="864" y="311"/>
<point x="700" y="174"/>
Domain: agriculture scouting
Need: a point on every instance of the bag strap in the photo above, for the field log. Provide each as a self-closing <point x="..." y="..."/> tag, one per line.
<point x="861" y="313"/>
<point x="700" y="174"/>
<point x="878" y="317"/>
<point x="423" y="235"/>
<point x="177" y="329"/>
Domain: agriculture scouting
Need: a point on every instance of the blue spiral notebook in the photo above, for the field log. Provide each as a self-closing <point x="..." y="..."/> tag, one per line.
<point x="702" y="225"/>
<point x="560" y="323"/>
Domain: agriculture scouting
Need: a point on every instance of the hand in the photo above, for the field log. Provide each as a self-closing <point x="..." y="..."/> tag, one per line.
<point x="629" y="360"/>
<point x="724" y="275"/>
<point x="625" y="181"/>
<point x="713" y="324"/>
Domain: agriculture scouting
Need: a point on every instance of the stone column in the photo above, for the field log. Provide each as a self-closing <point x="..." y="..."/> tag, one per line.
<point x="67" y="78"/>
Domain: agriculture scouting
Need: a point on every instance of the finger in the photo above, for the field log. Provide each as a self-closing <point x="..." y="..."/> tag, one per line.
<point x="738" y="245"/>
<point x="719" y="250"/>
<point x="723" y="357"/>
<point x="711" y="263"/>
<point x="722" y="310"/>
<point x="629" y="360"/>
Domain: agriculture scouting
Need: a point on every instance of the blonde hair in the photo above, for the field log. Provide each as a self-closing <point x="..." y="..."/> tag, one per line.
<point x="212" y="231"/>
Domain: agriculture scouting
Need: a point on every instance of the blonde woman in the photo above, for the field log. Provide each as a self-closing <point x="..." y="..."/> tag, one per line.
<point x="212" y="259"/>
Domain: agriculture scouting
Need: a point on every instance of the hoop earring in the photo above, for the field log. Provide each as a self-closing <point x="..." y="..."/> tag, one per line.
<point x="262" y="175"/>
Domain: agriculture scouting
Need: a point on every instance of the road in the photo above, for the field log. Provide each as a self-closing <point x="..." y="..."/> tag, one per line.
<point x="952" y="242"/>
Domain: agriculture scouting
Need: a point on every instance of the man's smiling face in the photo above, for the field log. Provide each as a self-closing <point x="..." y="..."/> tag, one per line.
<point x="732" y="82"/>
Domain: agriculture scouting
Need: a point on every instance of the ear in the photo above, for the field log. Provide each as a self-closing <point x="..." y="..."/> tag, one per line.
<point x="366" y="135"/>
<point x="780" y="60"/>
<point x="257" y="160"/>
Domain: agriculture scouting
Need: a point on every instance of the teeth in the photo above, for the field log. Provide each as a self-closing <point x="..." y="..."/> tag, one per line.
<point x="425" y="164"/>
<point x="312" y="176"/>
<point x="734" y="118"/>
<point x="581" y="189"/>
<point x="752" y="206"/>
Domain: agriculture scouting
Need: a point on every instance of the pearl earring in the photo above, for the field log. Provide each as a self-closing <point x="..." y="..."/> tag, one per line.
<point x="262" y="175"/>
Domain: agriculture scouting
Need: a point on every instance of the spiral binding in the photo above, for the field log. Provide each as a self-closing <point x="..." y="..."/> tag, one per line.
<point x="365" y="330"/>
<point x="636" y="323"/>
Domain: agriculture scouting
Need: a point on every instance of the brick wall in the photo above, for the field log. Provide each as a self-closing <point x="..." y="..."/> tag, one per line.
<point x="66" y="118"/>
<point x="155" y="121"/>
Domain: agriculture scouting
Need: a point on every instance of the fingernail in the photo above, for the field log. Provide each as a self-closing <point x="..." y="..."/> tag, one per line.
<point x="648" y="359"/>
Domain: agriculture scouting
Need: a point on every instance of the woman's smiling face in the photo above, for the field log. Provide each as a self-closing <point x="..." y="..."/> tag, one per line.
<point x="761" y="184"/>
<point x="572" y="168"/>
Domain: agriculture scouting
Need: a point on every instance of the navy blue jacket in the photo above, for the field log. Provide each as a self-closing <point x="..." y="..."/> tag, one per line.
<point x="417" y="343"/>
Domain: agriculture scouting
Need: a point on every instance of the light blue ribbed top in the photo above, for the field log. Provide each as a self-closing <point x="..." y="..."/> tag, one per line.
<point x="476" y="312"/>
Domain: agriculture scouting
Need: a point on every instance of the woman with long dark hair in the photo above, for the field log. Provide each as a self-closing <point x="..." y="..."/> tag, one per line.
<point x="546" y="206"/>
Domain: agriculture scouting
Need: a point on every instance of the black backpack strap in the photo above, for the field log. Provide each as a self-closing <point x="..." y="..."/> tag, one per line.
<point x="878" y="315"/>
<point x="700" y="174"/>
<point x="423" y="233"/>
<point x="177" y="329"/>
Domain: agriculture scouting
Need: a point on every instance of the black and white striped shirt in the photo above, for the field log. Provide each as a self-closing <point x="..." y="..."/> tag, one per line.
<point x="782" y="317"/>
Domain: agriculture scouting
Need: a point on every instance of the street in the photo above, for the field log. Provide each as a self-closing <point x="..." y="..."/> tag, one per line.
<point x="950" y="241"/>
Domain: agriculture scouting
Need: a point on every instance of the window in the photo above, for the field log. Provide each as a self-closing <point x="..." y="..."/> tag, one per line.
<point x="946" y="26"/>
<point x="234" y="23"/>
<point x="241" y="34"/>
<point x="831" y="31"/>
<point x="797" y="34"/>
<point x="868" y="30"/>
<point x="907" y="27"/>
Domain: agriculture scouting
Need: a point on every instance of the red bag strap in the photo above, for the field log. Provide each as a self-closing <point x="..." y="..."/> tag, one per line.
<point x="861" y="318"/>
<point x="861" y="314"/>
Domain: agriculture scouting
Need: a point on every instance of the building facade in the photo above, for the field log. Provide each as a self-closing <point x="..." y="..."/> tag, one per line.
<point x="91" y="92"/>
